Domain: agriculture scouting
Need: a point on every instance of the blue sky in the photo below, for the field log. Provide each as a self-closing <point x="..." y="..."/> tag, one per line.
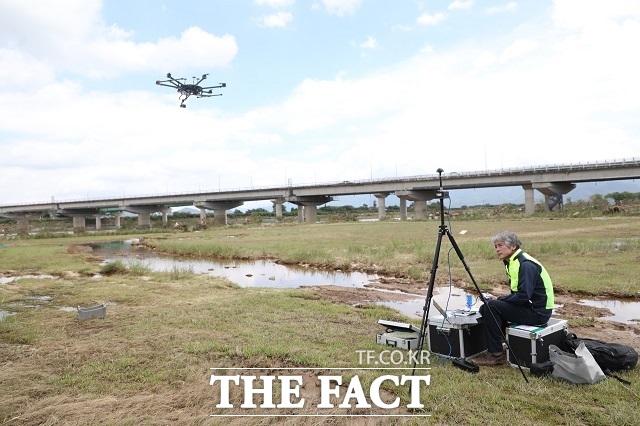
<point x="317" y="91"/>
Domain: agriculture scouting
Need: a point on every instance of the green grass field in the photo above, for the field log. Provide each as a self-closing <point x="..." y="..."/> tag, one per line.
<point x="594" y="256"/>
<point x="149" y="360"/>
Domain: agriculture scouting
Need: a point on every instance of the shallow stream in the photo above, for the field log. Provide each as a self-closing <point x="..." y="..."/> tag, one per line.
<point x="259" y="273"/>
<point x="266" y="273"/>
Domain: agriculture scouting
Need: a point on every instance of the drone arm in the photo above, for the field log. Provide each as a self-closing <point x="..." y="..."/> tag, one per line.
<point x="208" y="95"/>
<point x="219" y="86"/>
<point x="167" y="83"/>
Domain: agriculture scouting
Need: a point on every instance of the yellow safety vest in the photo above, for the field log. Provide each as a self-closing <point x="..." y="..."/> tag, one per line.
<point x="513" y="268"/>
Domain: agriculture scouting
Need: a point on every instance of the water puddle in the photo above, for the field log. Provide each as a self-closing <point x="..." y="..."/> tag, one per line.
<point x="4" y="314"/>
<point x="622" y="311"/>
<point x="35" y="302"/>
<point x="625" y="312"/>
<point x="7" y="280"/>
<point x="260" y="273"/>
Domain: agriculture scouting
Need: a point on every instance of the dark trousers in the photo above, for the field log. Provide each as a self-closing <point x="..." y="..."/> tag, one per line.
<point x="505" y="312"/>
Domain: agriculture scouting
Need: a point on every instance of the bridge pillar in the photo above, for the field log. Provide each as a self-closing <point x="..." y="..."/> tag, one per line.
<point x="311" y="213"/>
<point x="144" y="213"/>
<point x="420" y="209"/>
<point x="529" y="200"/>
<point x="98" y="223"/>
<point x="144" y="220"/>
<point x="553" y="190"/>
<point x="22" y="225"/>
<point x="79" y="223"/>
<point x="309" y="205"/>
<point x="419" y="198"/>
<point x="220" y="217"/>
<point x="165" y="218"/>
<point x="117" y="216"/>
<point x="278" y="205"/>
<point x="403" y="208"/>
<point x="308" y="213"/>
<point x="79" y="217"/>
<point x="382" y="205"/>
<point x="219" y="210"/>
<point x="203" y="216"/>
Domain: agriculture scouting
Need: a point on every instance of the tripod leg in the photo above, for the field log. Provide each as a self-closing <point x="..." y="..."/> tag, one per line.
<point x="427" y="303"/>
<point x="484" y="300"/>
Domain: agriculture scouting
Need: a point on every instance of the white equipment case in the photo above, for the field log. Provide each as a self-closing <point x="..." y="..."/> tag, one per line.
<point x="530" y="344"/>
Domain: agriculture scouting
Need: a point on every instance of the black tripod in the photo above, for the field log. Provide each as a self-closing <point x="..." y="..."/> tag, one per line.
<point x="441" y="194"/>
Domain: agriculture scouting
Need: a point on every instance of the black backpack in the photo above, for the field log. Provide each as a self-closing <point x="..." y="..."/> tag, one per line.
<point x="609" y="356"/>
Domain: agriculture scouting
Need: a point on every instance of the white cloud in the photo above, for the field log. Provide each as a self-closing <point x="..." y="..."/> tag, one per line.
<point x="71" y="36"/>
<point x="48" y="27"/>
<point x="276" y="20"/>
<point x="517" y="49"/>
<point x="431" y="19"/>
<point x="195" y="47"/>
<point x="460" y="4"/>
<point x="507" y="7"/>
<point x="369" y="43"/>
<point x="586" y="13"/>
<point x="342" y="7"/>
<point x="24" y="73"/>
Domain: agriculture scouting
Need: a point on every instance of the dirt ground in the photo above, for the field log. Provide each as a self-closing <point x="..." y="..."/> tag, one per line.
<point x="394" y="289"/>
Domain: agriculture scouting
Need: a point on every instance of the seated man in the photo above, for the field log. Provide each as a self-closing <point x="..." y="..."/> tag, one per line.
<point x="530" y="301"/>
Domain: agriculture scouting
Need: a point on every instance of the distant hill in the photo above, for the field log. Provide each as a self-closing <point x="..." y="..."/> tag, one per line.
<point x="190" y="210"/>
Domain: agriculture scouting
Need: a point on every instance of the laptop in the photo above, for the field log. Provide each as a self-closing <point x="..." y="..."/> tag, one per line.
<point x="442" y="311"/>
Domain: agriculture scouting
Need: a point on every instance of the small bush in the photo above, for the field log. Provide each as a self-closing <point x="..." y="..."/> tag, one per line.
<point x="114" y="268"/>
<point x="119" y="268"/>
<point x="178" y="273"/>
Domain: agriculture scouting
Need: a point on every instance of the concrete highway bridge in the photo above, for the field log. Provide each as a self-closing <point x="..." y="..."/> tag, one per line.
<point x="553" y="181"/>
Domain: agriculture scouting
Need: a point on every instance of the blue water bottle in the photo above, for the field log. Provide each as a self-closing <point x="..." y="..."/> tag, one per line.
<point x="469" y="302"/>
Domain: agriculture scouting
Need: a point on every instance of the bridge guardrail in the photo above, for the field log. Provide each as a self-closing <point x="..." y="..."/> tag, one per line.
<point x="633" y="162"/>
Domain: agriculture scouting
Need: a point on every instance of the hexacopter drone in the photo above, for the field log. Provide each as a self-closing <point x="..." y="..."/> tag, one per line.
<point x="187" y="90"/>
